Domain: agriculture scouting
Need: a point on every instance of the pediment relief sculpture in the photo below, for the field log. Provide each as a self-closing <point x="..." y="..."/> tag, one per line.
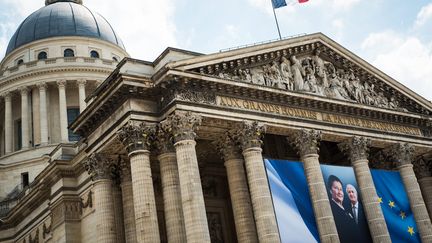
<point x="315" y="75"/>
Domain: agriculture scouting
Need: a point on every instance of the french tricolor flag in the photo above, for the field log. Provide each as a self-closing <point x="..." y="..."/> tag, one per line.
<point x="282" y="3"/>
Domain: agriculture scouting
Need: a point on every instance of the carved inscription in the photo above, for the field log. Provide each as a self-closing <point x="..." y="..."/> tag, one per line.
<point x="299" y="113"/>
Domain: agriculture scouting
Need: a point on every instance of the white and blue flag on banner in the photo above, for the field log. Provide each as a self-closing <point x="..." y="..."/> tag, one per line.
<point x="278" y="3"/>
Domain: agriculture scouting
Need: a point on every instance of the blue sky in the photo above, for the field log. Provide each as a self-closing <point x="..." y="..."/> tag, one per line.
<point x="395" y="36"/>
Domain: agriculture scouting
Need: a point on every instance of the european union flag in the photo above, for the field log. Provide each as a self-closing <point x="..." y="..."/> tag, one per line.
<point x="278" y="3"/>
<point x="395" y="206"/>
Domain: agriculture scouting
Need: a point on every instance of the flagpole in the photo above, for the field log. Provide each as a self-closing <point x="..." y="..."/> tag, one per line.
<point x="277" y="24"/>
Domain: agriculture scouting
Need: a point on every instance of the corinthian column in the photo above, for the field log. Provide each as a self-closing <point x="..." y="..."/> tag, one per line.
<point x="402" y="154"/>
<point x="128" y="203"/>
<point x="306" y="142"/>
<point x="137" y="139"/>
<point x="63" y="111"/>
<point x="182" y="126"/>
<point x="239" y="192"/>
<point x="265" y="219"/>
<point x="357" y="150"/>
<point x="174" y="219"/>
<point x="81" y="94"/>
<point x="43" y="115"/>
<point x="99" y="167"/>
<point x="8" y="123"/>
<point x="25" y="118"/>
<point x="422" y="168"/>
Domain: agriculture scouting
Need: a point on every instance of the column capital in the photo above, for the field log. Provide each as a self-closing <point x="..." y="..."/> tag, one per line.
<point x="7" y="96"/>
<point x="182" y="125"/>
<point x="357" y="148"/>
<point x="61" y="83"/>
<point x="422" y="167"/>
<point x="400" y="153"/>
<point x="24" y="90"/>
<point x="42" y="85"/>
<point x="306" y="141"/>
<point x="164" y="141"/>
<point x="81" y="82"/>
<point x="137" y="136"/>
<point x="99" y="166"/>
<point x="228" y="145"/>
<point x="250" y="134"/>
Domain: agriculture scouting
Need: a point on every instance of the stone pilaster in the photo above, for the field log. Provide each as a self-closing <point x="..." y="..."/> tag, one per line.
<point x="137" y="138"/>
<point x="182" y="126"/>
<point x="239" y="192"/>
<point x="43" y="115"/>
<point x="118" y="202"/>
<point x="250" y="138"/>
<point x="128" y="204"/>
<point x="307" y="144"/>
<point x="8" y="123"/>
<point x="402" y="156"/>
<point x="81" y="94"/>
<point x="25" y="122"/>
<point x="357" y="150"/>
<point x="64" y="135"/>
<point x="174" y="220"/>
<point x="99" y="166"/>
<point x="422" y="168"/>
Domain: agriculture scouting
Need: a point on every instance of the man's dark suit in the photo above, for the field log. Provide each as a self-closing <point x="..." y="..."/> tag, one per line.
<point x="362" y="225"/>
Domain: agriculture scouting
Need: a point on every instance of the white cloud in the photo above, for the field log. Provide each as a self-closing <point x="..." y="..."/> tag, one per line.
<point x="407" y="59"/>
<point x="424" y="15"/>
<point x="344" y="4"/>
<point x="146" y="27"/>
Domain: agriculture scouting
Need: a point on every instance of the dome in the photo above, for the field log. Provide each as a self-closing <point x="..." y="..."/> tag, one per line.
<point x="63" y="18"/>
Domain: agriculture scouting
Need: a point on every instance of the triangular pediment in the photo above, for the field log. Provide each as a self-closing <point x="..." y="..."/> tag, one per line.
<point x="311" y="64"/>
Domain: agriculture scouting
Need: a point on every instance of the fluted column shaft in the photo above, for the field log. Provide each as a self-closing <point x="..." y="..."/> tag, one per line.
<point x="99" y="167"/>
<point x="43" y="115"/>
<point x="25" y="133"/>
<point x="307" y="144"/>
<point x="81" y="94"/>
<point x="262" y="204"/>
<point x="8" y="123"/>
<point x="357" y="149"/>
<point x="63" y="111"/>
<point x="128" y="204"/>
<point x="426" y="189"/>
<point x="147" y="228"/>
<point x="402" y="155"/>
<point x="174" y="219"/>
<point x="182" y="126"/>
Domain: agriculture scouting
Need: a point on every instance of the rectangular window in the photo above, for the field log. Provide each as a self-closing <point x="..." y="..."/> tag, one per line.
<point x="18" y="135"/>
<point x="72" y="114"/>
<point x="25" y="179"/>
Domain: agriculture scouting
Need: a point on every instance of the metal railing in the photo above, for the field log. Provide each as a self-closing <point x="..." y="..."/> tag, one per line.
<point x="12" y="199"/>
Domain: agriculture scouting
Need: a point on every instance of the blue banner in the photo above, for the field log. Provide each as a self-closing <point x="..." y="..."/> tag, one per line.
<point x="294" y="211"/>
<point x="278" y="3"/>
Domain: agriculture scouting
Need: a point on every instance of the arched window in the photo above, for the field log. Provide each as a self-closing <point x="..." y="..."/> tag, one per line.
<point x="20" y="61"/>
<point x="94" y="54"/>
<point x="68" y="53"/>
<point x="42" y="55"/>
<point x="115" y="59"/>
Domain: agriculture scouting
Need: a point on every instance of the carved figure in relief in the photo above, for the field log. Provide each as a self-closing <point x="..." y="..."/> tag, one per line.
<point x="244" y="75"/>
<point x="257" y="76"/>
<point x="319" y="67"/>
<point x="298" y="73"/>
<point x="310" y="84"/>
<point x="286" y="74"/>
<point x="275" y="75"/>
<point x="335" y="89"/>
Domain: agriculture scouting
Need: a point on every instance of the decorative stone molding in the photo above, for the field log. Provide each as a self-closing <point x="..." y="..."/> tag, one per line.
<point x="67" y="209"/>
<point x="24" y="91"/>
<point x="99" y="166"/>
<point x="164" y="140"/>
<point x="250" y="134"/>
<point x="81" y="82"/>
<point x="36" y="237"/>
<point x="422" y="167"/>
<point x="357" y="148"/>
<point x="189" y="93"/>
<point x="42" y="85"/>
<point x="89" y="202"/>
<point x="228" y="145"/>
<point x="182" y="125"/>
<point x="306" y="141"/>
<point x="137" y="136"/>
<point x="7" y="96"/>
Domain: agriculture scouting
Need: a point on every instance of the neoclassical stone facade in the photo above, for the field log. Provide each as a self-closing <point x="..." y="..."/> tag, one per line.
<point x="172" y="150"/>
